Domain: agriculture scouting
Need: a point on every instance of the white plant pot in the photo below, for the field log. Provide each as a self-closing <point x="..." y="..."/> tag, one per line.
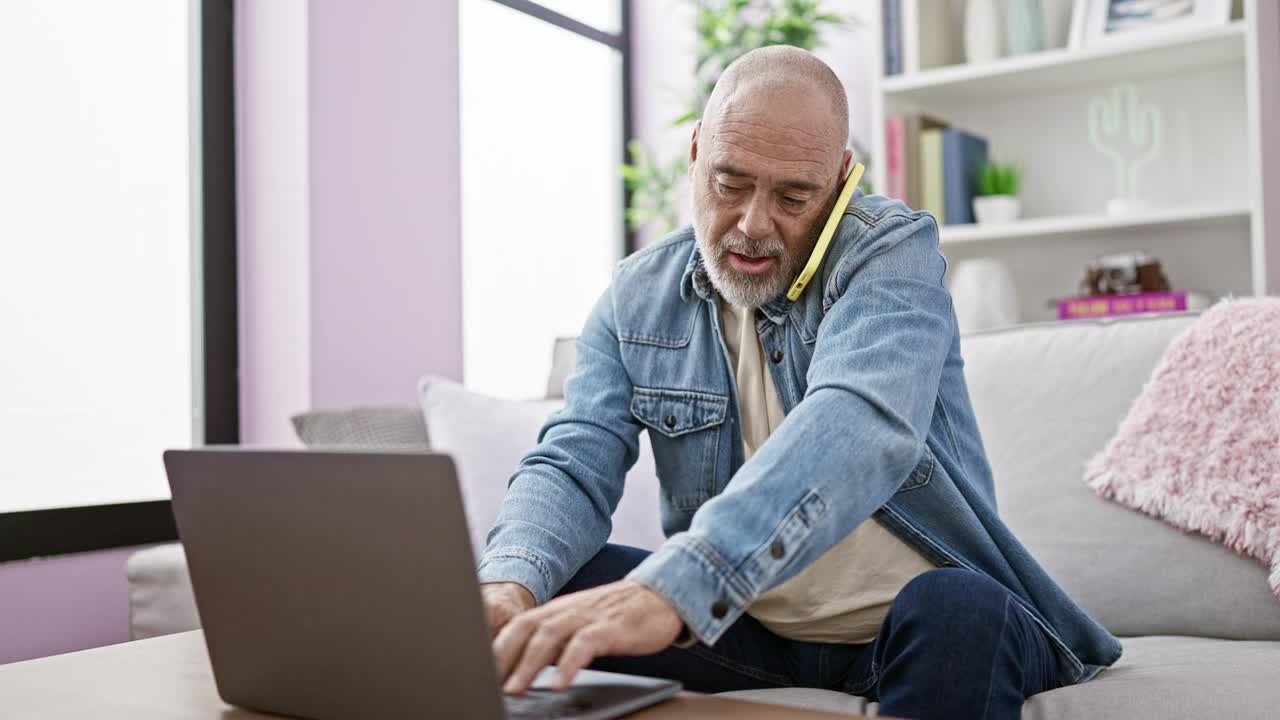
<point x="996" y="209"/>
<point x="1121" y="206"/>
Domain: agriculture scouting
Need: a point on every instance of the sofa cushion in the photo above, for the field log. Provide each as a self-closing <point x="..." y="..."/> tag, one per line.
<point x="1047" y="398"/>
<point x="487" y="436"/>
<point x="384" y="427"/>
<point x="1173" y="678"/>
<point x="161" y="601"/>
<point x="1158" y="677"/>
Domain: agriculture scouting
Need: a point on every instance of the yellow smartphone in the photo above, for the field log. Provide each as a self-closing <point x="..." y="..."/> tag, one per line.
<point x="828" y="231"/>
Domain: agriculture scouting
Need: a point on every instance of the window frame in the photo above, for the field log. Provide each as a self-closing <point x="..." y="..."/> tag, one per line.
<point x="56" y="531"/>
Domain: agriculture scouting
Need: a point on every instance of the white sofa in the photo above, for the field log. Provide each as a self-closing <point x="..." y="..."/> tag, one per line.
<point x="1200" y="628"/>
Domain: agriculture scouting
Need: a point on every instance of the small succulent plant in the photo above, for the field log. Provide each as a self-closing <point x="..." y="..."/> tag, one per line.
<point x="996" y="179"/>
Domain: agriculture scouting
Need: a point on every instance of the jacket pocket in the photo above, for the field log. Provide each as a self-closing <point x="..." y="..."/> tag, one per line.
<point x="684" y="429"/>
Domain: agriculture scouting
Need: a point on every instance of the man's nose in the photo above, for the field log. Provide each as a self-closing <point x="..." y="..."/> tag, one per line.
<point x="756" y="221"/>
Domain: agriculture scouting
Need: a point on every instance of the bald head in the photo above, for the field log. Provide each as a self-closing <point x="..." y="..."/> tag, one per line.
<point x="765" y="162"/>
<point x="782" y="76"/>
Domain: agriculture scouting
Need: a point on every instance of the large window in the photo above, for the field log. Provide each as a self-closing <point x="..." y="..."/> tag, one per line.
<point x="116" y="262"/>
<point x="542" y="126"/>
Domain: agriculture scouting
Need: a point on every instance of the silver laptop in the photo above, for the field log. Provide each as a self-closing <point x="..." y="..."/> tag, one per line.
<point x="342" y="585"/>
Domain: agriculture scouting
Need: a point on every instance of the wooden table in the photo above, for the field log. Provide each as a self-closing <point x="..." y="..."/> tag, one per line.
<point x="169" y="678"/>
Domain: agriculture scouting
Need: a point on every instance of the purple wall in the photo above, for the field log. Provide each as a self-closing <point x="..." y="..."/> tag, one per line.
<point x="62" y="604"/>
<point x="386" y="299"/>
<point x="274" y="207"/>
<point x="350" y="261"/>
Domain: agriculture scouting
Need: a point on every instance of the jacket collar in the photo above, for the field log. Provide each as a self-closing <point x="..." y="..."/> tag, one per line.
<point x="696" y="281"/>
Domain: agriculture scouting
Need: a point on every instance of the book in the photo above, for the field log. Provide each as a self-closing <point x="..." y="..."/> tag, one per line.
<point x="1096" y="306"/>
<point x="928" y="28"/>
<point x="963" y="154"/>
<point x="932" y="199"/>
<point x="892" y="20"/>
<point x="910" y="16"/>
<point x="895" y="158"/>
<point x="902" y="146"/>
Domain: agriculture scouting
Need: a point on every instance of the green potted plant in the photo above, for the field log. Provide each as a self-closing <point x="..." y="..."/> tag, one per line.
<point x="997" y="194"/>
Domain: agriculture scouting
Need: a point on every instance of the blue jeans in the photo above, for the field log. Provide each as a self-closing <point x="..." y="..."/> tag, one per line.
<point x="955" y="644"/>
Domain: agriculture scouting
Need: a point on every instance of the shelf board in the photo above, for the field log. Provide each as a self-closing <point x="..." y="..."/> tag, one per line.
<point x="1050" y="70"/>
<point x="1049" y="321"/>
<point x="1036" y="228"/>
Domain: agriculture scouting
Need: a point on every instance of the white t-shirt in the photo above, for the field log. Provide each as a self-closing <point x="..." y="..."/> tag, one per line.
<point x="844" y="595"/>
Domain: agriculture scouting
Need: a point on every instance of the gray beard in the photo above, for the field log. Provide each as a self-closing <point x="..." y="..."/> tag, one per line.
<point x="738" y="288"/>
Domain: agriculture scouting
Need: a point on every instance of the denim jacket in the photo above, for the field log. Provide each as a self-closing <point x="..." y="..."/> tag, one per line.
<point x="878" y="423"/>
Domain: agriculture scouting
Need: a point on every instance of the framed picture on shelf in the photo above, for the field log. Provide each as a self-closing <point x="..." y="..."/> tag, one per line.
<point x="1098" y="22"/>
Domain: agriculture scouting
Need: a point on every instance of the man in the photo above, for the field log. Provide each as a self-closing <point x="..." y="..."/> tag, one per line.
<point x="829" y="509"/>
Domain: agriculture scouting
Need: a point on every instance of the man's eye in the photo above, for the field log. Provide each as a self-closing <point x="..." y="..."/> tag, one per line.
<point x="727" y="189"/>
<point x="792" y="202"/>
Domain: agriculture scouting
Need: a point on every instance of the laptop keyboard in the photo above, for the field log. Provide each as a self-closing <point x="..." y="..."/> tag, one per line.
<point x="545" y="704"/>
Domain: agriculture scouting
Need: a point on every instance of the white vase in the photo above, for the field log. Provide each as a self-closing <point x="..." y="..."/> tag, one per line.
<point x="983" y="294"/>
<point x="1055" y="22"/>
<point x="1022" y="27"/>
<point x="983" y="31"/>
<point x="996" y="209"/>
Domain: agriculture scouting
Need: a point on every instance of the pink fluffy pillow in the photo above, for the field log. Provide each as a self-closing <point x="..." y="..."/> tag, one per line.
<point x="1200" y="447"/>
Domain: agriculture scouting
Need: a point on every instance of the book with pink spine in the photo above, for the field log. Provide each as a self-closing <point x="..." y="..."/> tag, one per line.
<point x="895" y="157"/>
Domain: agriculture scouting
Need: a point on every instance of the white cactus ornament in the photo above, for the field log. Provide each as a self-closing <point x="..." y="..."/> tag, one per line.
<point x="1130" y="134"/>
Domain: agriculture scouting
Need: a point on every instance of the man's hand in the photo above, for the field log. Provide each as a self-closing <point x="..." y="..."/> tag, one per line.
<point x="621" y="618"/>
<point x="503" y="601"/>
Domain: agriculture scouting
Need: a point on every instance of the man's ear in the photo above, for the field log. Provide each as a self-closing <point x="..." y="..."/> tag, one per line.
<point x="693" y="145"/>
<point x="848" y="163"/>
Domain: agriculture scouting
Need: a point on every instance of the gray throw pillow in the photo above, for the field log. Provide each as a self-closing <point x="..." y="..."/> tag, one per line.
<point x="382" y="427"/>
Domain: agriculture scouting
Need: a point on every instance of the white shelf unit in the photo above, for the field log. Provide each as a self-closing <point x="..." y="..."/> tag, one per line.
<point x="1061" y="68"/>
<point x="1211" y="202"/>
<point x="1068" y="225"/>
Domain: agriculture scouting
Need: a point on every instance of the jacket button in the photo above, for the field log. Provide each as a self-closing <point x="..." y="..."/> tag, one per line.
<point x="777" y="357"/>
<point x="777" y="550"/>
<point x="670" y="421"/>
<point x="719" y="609"/>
